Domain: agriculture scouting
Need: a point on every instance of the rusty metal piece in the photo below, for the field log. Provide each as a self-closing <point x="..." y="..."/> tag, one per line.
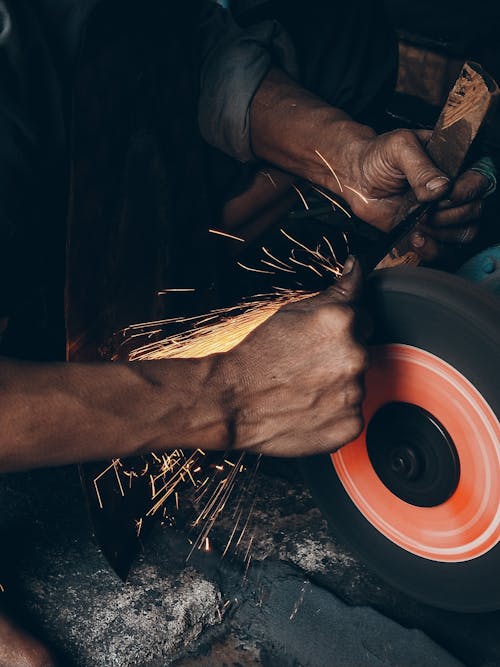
<point x="470" y="104"/>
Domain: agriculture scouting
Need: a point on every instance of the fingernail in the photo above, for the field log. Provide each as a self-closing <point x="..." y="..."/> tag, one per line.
<point x="437" y="183"/>
<point x="349" y="265"/>
<point x="417" y="240"/>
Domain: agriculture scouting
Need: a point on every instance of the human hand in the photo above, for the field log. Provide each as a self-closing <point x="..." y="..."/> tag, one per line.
<point x="392" y="172"/>
<point x="297" y="380"/>
<point x="455" y="219"/>
<point x="376" y="174"/>
<point x="380" y="176"/>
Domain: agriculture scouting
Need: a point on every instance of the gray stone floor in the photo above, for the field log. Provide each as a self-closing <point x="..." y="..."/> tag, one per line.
<point x="304" y="601"/>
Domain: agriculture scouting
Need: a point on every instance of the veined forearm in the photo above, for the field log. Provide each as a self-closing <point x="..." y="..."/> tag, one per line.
<point x="289" y="124"/>
<point x="54" y="414"/>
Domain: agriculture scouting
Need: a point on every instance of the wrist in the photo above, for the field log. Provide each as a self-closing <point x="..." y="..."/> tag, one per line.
<point x="336" y="162"/>
<point x="187" y="402"/>
<point x="290" y="126"/>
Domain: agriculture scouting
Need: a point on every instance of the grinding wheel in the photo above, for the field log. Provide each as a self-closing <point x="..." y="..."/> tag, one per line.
<point x="418" y="493"/>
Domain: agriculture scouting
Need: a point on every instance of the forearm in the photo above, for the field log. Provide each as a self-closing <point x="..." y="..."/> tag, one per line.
<point x="289" y="124"/>
<point x="380" y="176"/>
<point x="55" y="414"/>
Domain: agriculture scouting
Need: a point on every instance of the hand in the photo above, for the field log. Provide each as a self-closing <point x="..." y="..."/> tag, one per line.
<point x="297" y="380"/>
<point x="294" y="130"/>
<point x="378" y="175"/>
<point x="455" y="220"/>
<point x="377" y="172"/>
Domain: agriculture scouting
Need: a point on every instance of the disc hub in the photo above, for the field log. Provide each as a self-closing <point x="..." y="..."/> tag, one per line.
<point x="412" y="454"/>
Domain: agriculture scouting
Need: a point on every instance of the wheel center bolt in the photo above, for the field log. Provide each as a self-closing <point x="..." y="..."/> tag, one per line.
<point x="405" y="462"/>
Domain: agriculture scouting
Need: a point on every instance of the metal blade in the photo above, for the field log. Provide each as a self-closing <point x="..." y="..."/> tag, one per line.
<point x="469" y="106"/>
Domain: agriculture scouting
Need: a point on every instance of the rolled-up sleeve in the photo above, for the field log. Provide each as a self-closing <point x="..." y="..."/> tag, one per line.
<point x="234" y="61"/>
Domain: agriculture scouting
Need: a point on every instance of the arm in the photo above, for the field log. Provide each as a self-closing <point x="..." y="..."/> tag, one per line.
<point x="373" y="173"/>
<point x="290" y="126"/>
<point x="54" y="414"/>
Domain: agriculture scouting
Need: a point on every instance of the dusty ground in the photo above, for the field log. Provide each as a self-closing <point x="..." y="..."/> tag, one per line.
<point x="304" y="601"/>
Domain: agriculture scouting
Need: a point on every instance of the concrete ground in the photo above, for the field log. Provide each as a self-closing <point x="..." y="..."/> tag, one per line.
<point x="304" y="600"/>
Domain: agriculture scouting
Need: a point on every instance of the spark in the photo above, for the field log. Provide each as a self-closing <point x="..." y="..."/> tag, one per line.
<point x="249" y="268"/>
<point x="303" y="199"/>
<point x="117" y="474"/>
<point x="322" y="261"/>
<point x="215" y="505"/>
<point x="330" y="168"/>
<point x="113" y="465"/>
<point x="278" y="268"/>
<point x="299" y="602"/>
<point x="290" y="238"/>
<point x="248" y="556"/>
<point x="138" y="526"/>
<point x="231" y="536"/>
<point x="333" y="201"/>
<point x="220" y="336"/>
<point x="346" y="241"/>
<point x="330" y="248"/>
<point x="356" y="192"/>
<point x="227" y="235"/>
<point x="176" y="289"/>
<point x="274" y="258"/>
<point x="267" y="174"/>
<point x="2" y="589"/>
<point x="215" y="332"/>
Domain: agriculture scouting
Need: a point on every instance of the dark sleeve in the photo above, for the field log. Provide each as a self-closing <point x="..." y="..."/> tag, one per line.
<point x="233" y="63"/>
<point x="31" y="152"/>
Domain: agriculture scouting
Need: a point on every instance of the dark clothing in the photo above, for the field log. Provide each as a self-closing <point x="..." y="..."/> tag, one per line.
<point x="39" y="46"/>
<point x="232" y="61"/>
<point x="348" y="58"/>
<point x="346" y="51"/>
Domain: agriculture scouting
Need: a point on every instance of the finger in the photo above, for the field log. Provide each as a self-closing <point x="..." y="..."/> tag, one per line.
<point x="468" y="187"/>
<point x="426" y="180"/>
<point x="459" y="215"/>
<point x="460" y="234"/>
<point x="349" y="287"/>
<point x="424" y="136"/>
<point x="425" y="247"/>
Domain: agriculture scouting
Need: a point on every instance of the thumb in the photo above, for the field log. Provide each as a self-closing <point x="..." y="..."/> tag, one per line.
<point x="427" y="181"/>
<point x="348" y="288"/>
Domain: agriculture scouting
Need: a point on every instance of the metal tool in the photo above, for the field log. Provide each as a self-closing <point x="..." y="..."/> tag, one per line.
<point x="417" y="494"/>
<point x="106" y="239"/>
<point x="470" y="104"/>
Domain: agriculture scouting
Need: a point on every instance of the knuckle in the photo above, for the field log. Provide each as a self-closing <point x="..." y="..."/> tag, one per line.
<point x="337" y="319"/>
<point x="344" y="318"/>
<point x="356" y="361"/>
<point x="322" y="318"/>
<point x="354" y="428"/>
<point x="403" y="138"/>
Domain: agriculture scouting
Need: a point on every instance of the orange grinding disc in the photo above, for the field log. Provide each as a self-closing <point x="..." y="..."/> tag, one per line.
<point x="418" y="493"/>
